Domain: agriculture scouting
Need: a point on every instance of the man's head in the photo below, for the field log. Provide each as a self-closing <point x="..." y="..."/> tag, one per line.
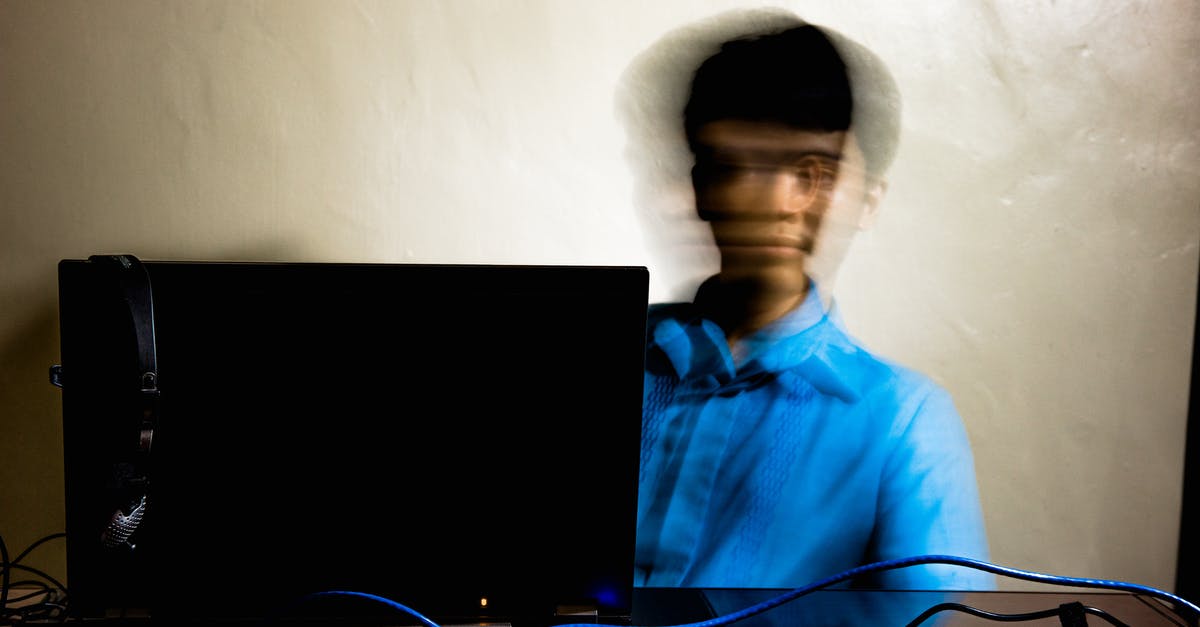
<point x="792" y="133"/>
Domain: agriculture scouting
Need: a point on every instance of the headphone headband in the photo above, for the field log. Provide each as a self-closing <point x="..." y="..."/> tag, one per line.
<point x="134" y="282"/>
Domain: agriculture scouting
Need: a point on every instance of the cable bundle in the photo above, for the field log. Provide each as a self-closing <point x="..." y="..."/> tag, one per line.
<point x="41" y="599"/>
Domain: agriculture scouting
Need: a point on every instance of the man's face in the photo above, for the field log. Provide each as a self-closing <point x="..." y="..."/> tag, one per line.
<point x="775" y="195"/>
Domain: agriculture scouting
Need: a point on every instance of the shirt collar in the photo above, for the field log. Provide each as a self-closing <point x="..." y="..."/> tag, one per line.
<point x="805" y="342"/>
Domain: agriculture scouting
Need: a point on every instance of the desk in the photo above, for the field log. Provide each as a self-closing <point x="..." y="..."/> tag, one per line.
<point x="887" y="608"/>
<point x="667" y="607"/>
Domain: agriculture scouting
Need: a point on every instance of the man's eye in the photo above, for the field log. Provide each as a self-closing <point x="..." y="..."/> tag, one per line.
<point x="807" y="173"/>
<point x="818" y="173"/>
<point x="828" y="179"/>
<point x="811" y="173"/>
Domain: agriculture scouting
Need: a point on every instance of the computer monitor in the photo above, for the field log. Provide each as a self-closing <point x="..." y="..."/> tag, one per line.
<point x="433" y="434"/>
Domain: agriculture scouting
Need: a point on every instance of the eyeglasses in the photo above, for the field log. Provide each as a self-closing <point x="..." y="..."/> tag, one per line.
<point x="810" y="175"/>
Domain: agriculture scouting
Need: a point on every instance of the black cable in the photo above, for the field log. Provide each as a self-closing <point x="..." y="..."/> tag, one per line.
<point x="1182" y="607"/>
<point x="29" y="569"/>
<point x="974" y="611"/>
<point x="38" y="543"/>
<point x="48" y="608"/>
<point x="4" y="576"/>
<point x="41" y="612"/>
<point x="1095" y="611"/>
<point x="29" y="583"/>
<point x="46" y="576"/>
<point x="1062" y="611"/>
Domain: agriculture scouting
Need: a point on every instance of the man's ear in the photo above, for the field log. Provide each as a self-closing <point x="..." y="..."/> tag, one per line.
<point x="872" y="199"/>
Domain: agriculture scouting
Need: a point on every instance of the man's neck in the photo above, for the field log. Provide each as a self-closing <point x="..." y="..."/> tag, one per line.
<point x="742" y="309"/>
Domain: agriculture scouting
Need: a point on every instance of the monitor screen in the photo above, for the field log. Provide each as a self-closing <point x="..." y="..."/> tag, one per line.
<point x="439" y="435"/>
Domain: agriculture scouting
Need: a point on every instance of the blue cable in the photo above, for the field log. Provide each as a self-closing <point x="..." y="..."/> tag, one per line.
<point x="927" y="559"/>
<point x="869" y="568"/>
<point x="375" y="597"/>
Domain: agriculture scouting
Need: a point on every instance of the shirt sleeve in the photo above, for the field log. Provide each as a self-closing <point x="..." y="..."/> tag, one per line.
<point x="929" y="499"/>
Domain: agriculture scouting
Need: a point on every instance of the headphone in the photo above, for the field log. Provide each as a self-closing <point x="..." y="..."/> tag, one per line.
<point x="133" y="478"/>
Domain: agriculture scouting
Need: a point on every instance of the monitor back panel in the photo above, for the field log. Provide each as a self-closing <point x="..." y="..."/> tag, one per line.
<point x="433" y="434"/>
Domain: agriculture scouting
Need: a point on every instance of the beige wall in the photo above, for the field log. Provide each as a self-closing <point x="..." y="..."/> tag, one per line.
<point x="1037" y="253"/>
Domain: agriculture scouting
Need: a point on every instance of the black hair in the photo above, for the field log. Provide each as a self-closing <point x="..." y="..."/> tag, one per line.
<point x="805" y="77"/>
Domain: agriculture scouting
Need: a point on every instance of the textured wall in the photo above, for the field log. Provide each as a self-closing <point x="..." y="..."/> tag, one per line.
<point x="1037" y="252"/>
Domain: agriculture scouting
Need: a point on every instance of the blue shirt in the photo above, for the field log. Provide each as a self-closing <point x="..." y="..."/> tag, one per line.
<point x="805" y="458"/>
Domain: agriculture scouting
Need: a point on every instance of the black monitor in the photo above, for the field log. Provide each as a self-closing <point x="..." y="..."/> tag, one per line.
<point x="431" y="434"/>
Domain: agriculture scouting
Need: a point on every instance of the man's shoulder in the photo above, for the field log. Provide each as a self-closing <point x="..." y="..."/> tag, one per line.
<point x="867" y="372"/>
<point x="890" y="397"/>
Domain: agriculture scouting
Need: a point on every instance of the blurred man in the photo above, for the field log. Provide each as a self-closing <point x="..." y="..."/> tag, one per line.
<point x="776" y="450"/>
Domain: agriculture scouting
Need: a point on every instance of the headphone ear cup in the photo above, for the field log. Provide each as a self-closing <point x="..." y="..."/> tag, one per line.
<point x="122" y="526"/>
<point x="127" y="496"/>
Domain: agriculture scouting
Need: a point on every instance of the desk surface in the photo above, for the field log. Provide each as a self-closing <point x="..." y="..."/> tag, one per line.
<point x="670" y="607"/>
<point x="885" y="608"/>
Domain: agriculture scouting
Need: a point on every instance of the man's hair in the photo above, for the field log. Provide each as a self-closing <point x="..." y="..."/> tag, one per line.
<point x="805" y="77"/>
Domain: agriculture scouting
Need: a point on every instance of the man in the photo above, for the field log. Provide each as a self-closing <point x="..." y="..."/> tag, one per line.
<point x="776" y="450"/>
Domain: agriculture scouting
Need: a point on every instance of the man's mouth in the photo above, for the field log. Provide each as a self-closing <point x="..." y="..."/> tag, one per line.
<point x="770" y="246"/>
